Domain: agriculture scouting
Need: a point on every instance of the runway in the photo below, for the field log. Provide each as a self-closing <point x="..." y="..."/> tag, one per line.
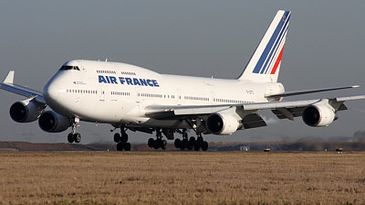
<point x="181" y="178"/>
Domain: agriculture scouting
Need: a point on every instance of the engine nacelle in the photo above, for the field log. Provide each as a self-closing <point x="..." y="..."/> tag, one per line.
<point x="320" y="114"/>
<point x="25" y="111"/>
<point x="51" y="121"/>
<point x="223" y="123"/>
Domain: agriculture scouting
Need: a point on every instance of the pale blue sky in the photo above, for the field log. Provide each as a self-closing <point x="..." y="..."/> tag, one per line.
<point x="325" y="47"/>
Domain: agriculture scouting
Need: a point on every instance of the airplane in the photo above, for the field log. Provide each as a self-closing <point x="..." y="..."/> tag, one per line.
<point x="132" y="98"/>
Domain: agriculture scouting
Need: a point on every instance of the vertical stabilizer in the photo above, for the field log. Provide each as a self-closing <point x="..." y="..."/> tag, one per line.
<point x="264" y="65"/>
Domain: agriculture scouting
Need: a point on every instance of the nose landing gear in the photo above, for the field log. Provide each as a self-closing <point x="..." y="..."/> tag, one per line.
<point x="122" y="140"/>
<point x="74" y="136"/>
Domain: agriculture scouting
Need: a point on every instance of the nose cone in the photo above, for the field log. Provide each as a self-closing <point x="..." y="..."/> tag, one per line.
<point x="52" y="93"/>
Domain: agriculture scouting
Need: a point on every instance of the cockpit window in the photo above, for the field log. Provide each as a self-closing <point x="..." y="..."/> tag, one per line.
<point x="67" y="67"/>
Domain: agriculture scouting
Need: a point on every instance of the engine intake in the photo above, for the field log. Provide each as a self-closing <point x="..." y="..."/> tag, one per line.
<point x="25" y="111"/>
<point x="319" y="115"/>
<point x="224" y="123"/>
<point x="51" y="121"/>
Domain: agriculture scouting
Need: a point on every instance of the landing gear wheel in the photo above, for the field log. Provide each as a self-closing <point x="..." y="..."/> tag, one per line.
<point x="74" y="136"/>
<point x="127" y="146"/>
<point x="70" y="138"/>
<point x="191" y="143"/>
<point x="156" y="143"/>
<point x="77" y="137"/>
<point x="124" y="146"/>
<point x="196" y="146"/>
<point x="184" y="144"/>
<point x="151" y="142"/>
<point x="204" y="145"/>
<point x="120" y="146"/>
<point x="163" y="144"/>
<point x="177" y="143"/>
<point x="124" y="137"/>
<point x="122" y="140"/>
<point x="116" y="137"/>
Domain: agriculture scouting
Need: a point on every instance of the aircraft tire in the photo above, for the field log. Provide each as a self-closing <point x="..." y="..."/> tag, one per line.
<point x="184" y="144"/>
<point x="191" y="143"/>
<point x="204" y="145"/>
<point x="70" y="138"/>
<point x="116" y="137"/>
<point x="156" y="143"/>
<point x="127" y="146"/>
<point x="124" y="138"/>
<point x="163" y="144"/>
<point x="151" y="142"/>
<point x="120" y="146"/>
<point x="177" y="143"/>
<point x="77" y="137"/>
<point x="197" y="146"/>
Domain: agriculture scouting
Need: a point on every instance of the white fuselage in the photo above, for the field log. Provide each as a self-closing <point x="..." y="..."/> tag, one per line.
<point x="115" y="93"/>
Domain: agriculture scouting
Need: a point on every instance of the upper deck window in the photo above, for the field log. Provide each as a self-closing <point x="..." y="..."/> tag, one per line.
<point x="67" y="67"/>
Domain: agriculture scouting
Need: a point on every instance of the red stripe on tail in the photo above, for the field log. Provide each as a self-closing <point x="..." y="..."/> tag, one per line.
<point x="276" y="65"/>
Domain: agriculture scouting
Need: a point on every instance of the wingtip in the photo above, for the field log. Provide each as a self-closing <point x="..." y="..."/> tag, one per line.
<point x="10" y="77"/>
<point x="355" y="86"/>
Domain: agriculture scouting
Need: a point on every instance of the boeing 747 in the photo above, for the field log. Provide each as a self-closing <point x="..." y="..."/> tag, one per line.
<point x="132" y="98"/>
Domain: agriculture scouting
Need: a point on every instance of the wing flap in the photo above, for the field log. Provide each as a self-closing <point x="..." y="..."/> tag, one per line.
<point x="252" y="121"/>
<point x="293" y="112"/>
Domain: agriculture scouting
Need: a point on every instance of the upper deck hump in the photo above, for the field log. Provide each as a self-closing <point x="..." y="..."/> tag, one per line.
<point x="119" y="68"/>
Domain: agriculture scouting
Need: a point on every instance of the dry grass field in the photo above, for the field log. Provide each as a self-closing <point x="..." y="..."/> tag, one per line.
<point x="181" y="178"/>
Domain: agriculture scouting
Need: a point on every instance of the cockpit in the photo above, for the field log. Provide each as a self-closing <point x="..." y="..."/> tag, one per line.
<point x="67" y="67"/>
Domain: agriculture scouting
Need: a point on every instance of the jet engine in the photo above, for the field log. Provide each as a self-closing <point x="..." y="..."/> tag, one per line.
<point x="223" y="123"/>
<point x="319" y="114"/>
<point x="51" y="121"/>
<point x="26" y="111"/>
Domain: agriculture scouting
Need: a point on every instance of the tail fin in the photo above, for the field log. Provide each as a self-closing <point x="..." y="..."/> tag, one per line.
<point x="264" y="65"/>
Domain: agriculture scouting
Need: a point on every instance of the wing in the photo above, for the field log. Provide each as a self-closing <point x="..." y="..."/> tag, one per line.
<point x="8" y="85"/>
<point x="291" y="109"/>
<point x="283" y="110"/>
<point x="302" y="92"/>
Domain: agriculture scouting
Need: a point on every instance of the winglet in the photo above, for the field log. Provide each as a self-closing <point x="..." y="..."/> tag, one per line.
<point x="9" y="78"/>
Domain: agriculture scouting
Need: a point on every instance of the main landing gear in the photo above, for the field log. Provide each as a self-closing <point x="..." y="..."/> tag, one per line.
<point x="122" y="140"/>
<point x="74" y="136"/>
<point x="191" y="143"/>
<point x="158" y="142"/>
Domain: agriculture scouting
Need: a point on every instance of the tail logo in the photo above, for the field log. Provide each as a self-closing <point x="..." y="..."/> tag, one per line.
<point x="271" y="56"/>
